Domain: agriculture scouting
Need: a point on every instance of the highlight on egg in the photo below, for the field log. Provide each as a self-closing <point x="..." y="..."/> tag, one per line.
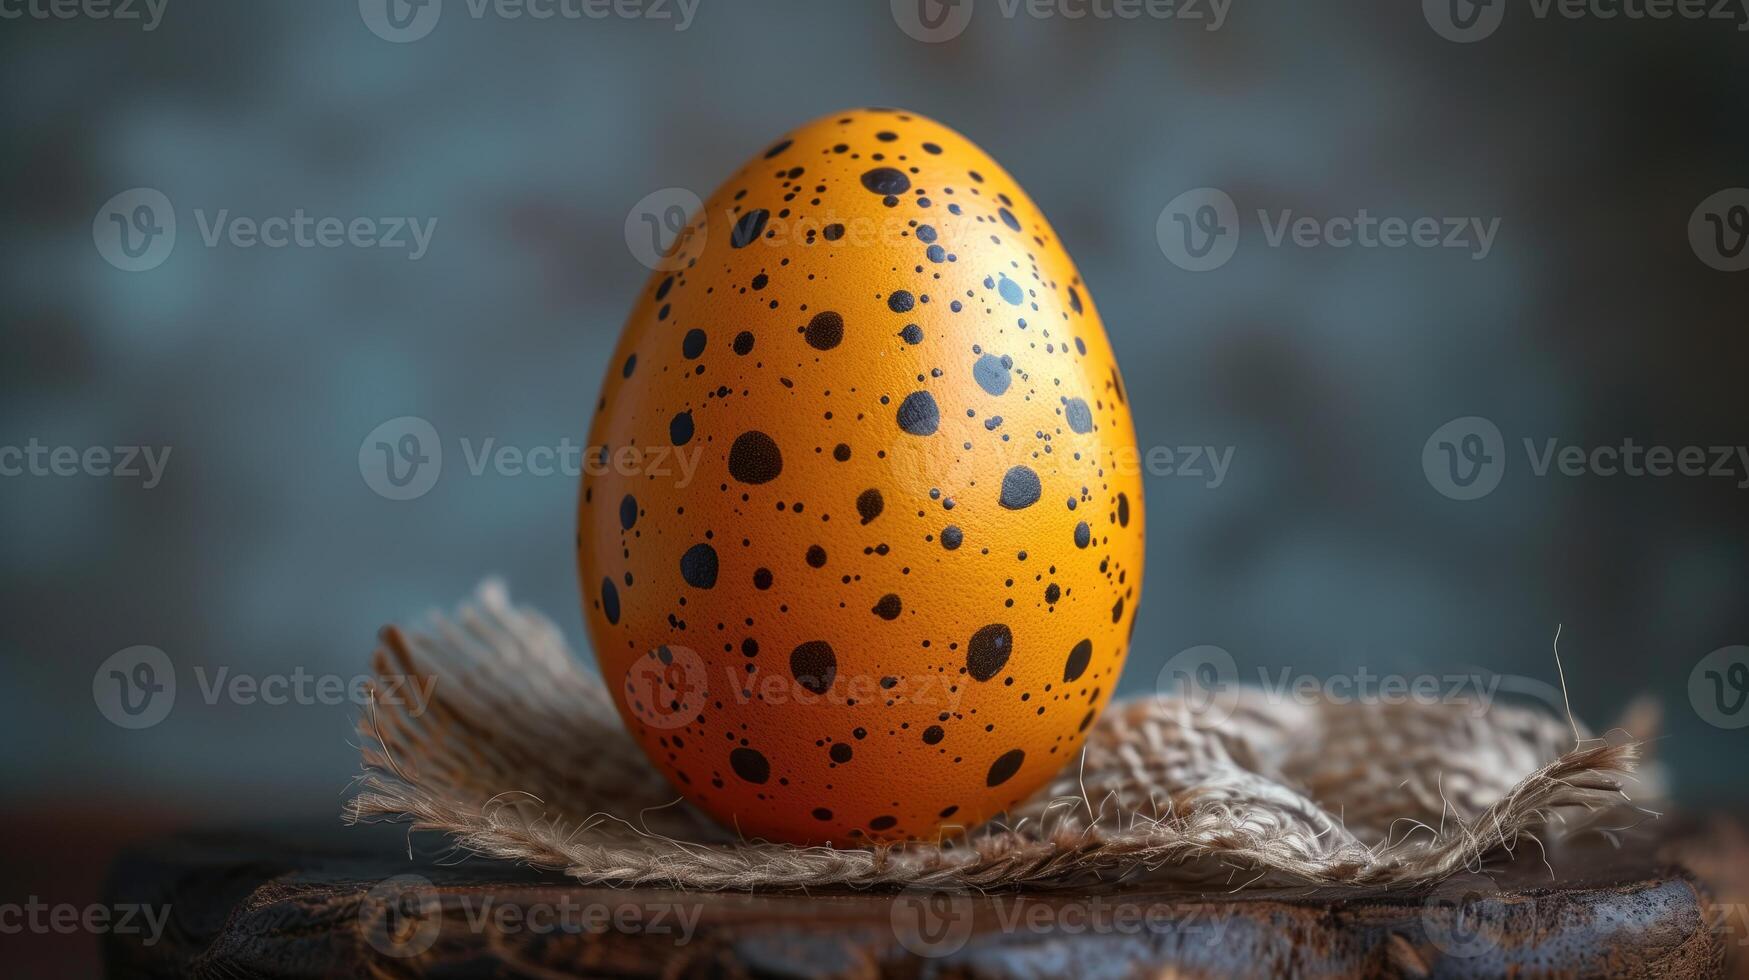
<point x="901" y="581"/>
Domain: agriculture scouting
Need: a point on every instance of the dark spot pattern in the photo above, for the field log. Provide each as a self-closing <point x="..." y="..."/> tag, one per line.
<point x="1079" y="657"/>
<point x="988" y="651"/>
<point x="748" y="229"/>
<point x="628" y="512"/>
<point x="869" y="504"/>
<point x="610" y="601"/>
<point x="692" y="345"/>
<point x="1078" y="415"/>
<point x="1020" y="487"/>
<point x="889" y="607"/>
<point x="814" y="666"/>
<point x="698" y="566"/>
<point x="750" y="764"/>
<point x="825" y="331"/>
<point x="992" y="374"/>
<point x="680" y="429"/>
<point x="919" y="415"/>
<point x="1005" y="766"/>
<point x="755" y="458"/>
<point x="886" y="180"/>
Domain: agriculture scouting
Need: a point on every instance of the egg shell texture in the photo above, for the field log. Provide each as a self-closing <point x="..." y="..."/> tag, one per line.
<point x="897" y="581"/>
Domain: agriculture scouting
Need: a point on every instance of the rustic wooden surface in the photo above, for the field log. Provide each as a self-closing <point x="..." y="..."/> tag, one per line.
<point x="253" y="905"/>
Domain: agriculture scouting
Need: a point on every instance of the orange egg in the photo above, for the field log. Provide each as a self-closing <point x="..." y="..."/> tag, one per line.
<point x="861" y="534"/>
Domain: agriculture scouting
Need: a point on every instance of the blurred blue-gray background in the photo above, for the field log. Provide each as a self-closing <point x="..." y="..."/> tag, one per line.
<point x="1593" y="318"/>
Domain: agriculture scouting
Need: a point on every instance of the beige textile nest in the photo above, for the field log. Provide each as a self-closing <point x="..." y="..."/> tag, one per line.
<point x="520" y="755"/>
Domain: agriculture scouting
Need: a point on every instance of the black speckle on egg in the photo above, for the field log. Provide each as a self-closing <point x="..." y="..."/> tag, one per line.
<point x="680" y="429"/>
<point x="814" y="665"/>
<point x="1005" y="767"/>
<point x="1079" y="657"/>
<point x="988" y="651"/>
<point x="754" y="458"/>
<point x="1020" y="487"/>
<point x="1010" y="290"/>
<point x="1083" y="534"/>
<point x="1117" y="610"/>
<point x="744" y="343"/>
<point x="912" y="334"/>
<point x="1123" y="510"/>
<point x="750" y="764"/>
<point x="952" y="537"/>
<point x="840" y="752"/>
<point x="884" y="822"/>
<point x="992" y="373"/>
<point x="933" y="735"/>
<point x="1008" y="218"/>
<point x="762" y="579"/>
<point x="821" y="813"/>
<point x="816" y="556"/>
<point x="628" y="511"/>
<point x="1080" y="417"/>
<point x="747" y="230"/>
<point x="901" y="301"/>
<point x="610" y="602"/>
<point x="869" y="504"/>
<point x="889" y="607"/>
<point x="630" y="366"/>
<point x="825" y="330"/>
<point x="886" y="180"/>
<point x="832" y="232"/>
<point x="699" y="566"/>
<point x="693" y="343"/>
<point x="918" y="414"/>
<point x="777" y="148"/>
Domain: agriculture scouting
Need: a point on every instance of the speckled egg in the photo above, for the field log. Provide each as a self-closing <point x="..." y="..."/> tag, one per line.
<point x="861" y="526"/>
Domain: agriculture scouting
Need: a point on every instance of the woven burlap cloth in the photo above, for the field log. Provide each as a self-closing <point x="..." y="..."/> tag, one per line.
<point x="519" y="754"/>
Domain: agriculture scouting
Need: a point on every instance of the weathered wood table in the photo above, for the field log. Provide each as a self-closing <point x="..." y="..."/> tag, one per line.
<point x="352" y="903"/>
